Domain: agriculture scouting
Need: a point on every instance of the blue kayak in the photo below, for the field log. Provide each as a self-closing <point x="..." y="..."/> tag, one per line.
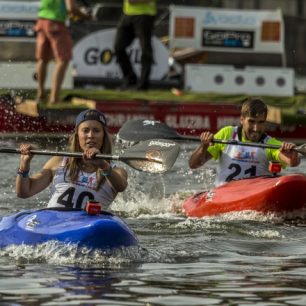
<point x="103" y="231"/>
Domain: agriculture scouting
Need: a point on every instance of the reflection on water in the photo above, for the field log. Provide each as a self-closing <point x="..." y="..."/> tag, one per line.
<point x="237" y="259"/>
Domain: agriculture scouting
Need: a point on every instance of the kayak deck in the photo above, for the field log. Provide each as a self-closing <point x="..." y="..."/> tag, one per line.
<point x="104" y="231"/>
<point x="277" y="194"/>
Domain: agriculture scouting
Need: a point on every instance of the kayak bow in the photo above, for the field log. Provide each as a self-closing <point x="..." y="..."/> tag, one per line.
<point x="105" y="231"/>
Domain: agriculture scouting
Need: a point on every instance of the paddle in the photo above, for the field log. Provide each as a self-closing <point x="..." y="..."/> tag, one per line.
<point x="139" y="130"/>
<point x="154" y="155"/>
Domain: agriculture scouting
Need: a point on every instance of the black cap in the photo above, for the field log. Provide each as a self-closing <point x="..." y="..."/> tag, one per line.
<point x="90" y="114"/>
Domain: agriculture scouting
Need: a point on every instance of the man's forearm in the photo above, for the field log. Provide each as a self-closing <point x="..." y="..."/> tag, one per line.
<point x="199" y="157"/>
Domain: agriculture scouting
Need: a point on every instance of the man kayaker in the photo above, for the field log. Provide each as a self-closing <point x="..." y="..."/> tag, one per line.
<point x="236" y="162"/>
<point x="76" y="180"/>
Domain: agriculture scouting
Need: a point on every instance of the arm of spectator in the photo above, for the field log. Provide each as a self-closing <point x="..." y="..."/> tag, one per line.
<point x="77" y="11"/>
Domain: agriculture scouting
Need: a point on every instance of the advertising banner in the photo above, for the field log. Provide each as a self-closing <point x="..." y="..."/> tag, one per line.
<point x="226" y="30"/>
<point x="17" y="19"/>
<point x="93" y="56"/>
<point x="251" y="80"/>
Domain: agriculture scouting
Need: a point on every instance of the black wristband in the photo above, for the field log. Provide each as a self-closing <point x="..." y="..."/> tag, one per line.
<point x="23" y="173"/>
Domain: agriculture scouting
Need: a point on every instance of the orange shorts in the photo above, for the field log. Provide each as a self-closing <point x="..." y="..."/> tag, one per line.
<point x="53" y="40"/>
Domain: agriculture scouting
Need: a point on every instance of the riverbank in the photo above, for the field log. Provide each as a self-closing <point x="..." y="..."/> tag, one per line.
<point x="293" y="109"/>
<point x="188" y="113"/>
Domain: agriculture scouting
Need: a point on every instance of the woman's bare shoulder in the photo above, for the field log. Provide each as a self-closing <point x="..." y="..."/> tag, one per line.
<point x="53" y="163"/>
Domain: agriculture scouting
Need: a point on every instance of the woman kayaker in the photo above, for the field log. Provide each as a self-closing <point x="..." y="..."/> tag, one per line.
<point x="76" y="180"/>
<point x="236" y="162"/>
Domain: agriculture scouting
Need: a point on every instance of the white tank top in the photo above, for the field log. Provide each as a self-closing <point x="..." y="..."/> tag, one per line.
<point x="237" y="162"/>
<point x="65" y="193"/>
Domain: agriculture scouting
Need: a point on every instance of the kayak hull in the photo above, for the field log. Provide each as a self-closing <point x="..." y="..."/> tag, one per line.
<point x="278" y="194"/>
<point x="104" y="231"/>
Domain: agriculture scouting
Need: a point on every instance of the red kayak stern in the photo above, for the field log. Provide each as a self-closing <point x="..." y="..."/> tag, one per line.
<point x="275" y="194"/>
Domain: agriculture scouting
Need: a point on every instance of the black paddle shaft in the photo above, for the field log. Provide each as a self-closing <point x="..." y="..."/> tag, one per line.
<point x="154" y="155"/>
<point x="139" y="130"/>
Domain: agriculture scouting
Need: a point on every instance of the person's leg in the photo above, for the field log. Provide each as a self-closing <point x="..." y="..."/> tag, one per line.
<point x="144" y="31"/>
<point x="124" y="37"/>
<point x="57" y="80"/>
<point x="62" y="44"/>
<point x="43" y="55"/>
<point x="41" y="71"/>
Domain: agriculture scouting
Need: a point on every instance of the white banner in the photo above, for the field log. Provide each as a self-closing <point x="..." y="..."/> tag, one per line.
<point x="93" y="56"/>
<point x="251" y="80"/>
<point x="19" y="10"/>
<point x="214" y="29"/>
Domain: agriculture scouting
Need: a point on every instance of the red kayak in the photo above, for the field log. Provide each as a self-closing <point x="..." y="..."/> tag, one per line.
<point x="276" y="194"/>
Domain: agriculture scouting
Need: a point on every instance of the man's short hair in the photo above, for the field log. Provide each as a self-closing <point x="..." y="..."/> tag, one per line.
<point x="253" y="107"/>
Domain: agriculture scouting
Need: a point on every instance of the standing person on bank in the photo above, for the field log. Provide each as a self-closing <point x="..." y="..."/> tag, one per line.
<point x="54" y="41"/>
<point x="74" y="181"/>
<point x="236" y="162"/>
<point x="137" y="21"/>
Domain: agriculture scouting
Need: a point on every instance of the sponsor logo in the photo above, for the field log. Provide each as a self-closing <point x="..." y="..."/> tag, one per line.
<point x="210" y="195"/>
<point x="150" y="122"/>
<point x="94" y="56"/>
<point x="97" y="56"/>
<point x="245" y="156"/>
<point x="197" y="122"/>
<point x="227" y="38"/>
<point x="227" y="120"/>
<point x="24" y="10"/>
<point x="153" y="155"/>
<point x="32" y="222"/>
<point x="161" y="143"/>
<point x="118" y="119"/>
<point x="17" y="28"/>
<point x="211" y="18"/>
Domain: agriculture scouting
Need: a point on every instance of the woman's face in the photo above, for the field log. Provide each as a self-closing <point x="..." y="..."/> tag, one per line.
<point x="91" y="134"/>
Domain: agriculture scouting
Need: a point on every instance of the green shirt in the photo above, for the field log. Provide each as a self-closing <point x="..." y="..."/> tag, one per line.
<point x="226" y="134"/>
<point x="147" y="8"/>
<point x="53" y="10"/>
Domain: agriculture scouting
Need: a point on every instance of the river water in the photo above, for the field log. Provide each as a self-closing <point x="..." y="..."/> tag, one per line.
<point x="237" y="259"/>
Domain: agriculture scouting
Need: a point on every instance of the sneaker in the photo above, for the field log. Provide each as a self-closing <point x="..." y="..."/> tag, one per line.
<point x="127" y="84"/>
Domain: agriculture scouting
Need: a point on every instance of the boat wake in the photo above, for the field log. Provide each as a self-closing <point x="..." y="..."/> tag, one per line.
<point x="54" y="252"/>
<point x="144" y="205"/>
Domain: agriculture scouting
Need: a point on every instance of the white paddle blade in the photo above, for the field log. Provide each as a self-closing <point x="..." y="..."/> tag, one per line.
<point x="154" y="156"/>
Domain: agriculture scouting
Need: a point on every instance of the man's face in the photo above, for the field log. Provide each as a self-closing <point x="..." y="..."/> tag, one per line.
<point x="253" y="127"/>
